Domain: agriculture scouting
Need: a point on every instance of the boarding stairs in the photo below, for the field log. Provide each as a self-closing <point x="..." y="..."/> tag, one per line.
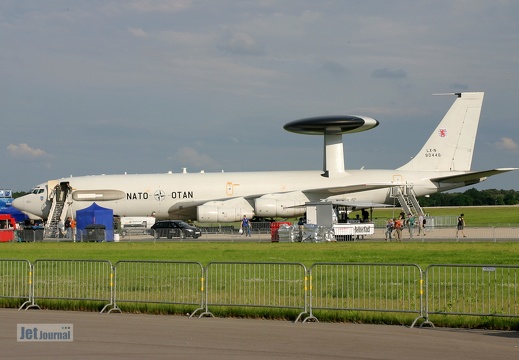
<point x="58" y="213"/>
<point x="407" y="198"/>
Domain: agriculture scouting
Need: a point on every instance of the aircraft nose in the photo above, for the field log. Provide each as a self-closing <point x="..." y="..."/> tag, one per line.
<point x="25" y="204"/>
<point x="19" y="203"/>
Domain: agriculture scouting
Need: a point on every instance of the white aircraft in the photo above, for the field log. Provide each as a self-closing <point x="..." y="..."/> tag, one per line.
<point x="442" y="164"/>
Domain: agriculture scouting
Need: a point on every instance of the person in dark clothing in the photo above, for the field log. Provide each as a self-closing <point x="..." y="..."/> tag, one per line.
<point x="461" y="225"/>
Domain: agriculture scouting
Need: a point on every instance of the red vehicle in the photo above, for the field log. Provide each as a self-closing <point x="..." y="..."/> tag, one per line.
<point x="7" y="227"/>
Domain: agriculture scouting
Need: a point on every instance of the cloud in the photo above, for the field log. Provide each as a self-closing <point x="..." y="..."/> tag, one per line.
<point x="162" y="6"/>
<point x="26" y="152"/>
<point x="389" y="74"/>
<point x="137" y="32"/>
<point x="188" y="155"/>
<point x="334" y="67"/>
<point x="241" y="43"/>
<point x="507" y="144"/>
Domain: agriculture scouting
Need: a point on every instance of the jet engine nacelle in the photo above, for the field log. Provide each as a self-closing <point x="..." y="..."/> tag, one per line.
<point x="210" y="213"/>
<point x="266" y="207"/>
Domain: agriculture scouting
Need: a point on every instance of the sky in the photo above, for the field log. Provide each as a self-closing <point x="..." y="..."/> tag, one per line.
<point x="145" y="86"/>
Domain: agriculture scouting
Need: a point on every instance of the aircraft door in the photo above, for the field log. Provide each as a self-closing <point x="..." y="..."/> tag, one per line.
<point x="229" y="188"/>
<point x="398" y="179"/>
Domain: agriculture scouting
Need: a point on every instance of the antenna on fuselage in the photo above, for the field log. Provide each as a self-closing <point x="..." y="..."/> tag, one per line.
<point x="332" y="127"/>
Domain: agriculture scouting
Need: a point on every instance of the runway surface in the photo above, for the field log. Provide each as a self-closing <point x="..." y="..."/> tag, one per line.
<point x="139" y="336"/>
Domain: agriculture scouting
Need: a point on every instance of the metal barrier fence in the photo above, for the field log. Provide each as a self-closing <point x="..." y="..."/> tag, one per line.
<point x="431" y="221"/>
<point x="15" y="276"/>
<point x="165" y="282"/>
<point x="367" y="287"/>
<point x="476" y="290"/>
<point x="257" y="227"/>
<point x="446" y="234"/>
<point x="505" y="233"/>
<point x="216" y="228"/>
<point x="261" y="229"/>
<point x="482" y="290"/>
<point x="236" y="284"/>
<point x="29" y="235"/>
<point x="72" y="280"/>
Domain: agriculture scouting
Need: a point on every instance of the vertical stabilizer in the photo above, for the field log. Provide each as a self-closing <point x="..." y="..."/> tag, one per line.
<point x="451" y="145"/>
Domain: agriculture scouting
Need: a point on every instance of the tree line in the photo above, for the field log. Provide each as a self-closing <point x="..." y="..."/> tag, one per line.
<point x="471" y="197"/>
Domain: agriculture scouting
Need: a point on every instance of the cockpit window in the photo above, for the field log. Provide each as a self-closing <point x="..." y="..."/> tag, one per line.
<point x="37" y="191"/>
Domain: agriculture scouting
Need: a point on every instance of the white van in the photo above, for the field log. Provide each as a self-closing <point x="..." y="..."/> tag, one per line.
<point x="136" y="225"/>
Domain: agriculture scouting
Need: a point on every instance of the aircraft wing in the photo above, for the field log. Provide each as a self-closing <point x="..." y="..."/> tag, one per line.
<point x="188" y="209"/>
<point x="185" y="208"/>
<point x="352" y="204"/>
<point x="360" y="204"/>
<point x="471" y="177"/>
<point x="330" y="191"/>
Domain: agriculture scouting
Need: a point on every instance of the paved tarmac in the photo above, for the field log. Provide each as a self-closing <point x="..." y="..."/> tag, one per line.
<point x="487" y="234"/>
<point x="139" y="336"/>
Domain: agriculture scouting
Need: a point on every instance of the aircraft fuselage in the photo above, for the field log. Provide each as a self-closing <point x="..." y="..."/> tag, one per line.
<point x="178" y="195"/>
<point x="443" y="163"/>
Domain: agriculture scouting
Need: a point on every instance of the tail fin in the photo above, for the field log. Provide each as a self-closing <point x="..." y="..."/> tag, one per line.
<point x="451" y="145"/>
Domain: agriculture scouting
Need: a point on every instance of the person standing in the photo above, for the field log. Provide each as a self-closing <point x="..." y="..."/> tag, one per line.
<point x="410" y="224"/>
<point x="245" y="226"/>
<point x="460" y="226"/>
<point x="61" y="229"/>
<point x="365" y="215"/>
<point x="401" y="216"/>
<point x="398" y="229"/>
<point x="389" y="229"/>
<point x="73" y="228"/>
<point x="421" y="225"/>
<point x="68" y="229"/>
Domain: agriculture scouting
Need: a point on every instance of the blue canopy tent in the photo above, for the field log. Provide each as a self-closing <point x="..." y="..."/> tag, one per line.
<point x="96" y="215"/>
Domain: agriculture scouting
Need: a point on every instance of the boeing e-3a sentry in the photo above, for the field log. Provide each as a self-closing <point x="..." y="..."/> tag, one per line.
<point x="444" y="163"/>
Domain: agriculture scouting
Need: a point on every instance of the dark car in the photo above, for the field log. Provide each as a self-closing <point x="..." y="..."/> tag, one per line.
<point x="175" y="228"/>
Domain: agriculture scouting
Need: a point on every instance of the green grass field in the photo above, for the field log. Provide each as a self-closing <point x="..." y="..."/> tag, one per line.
<point x="422" y="254"/>
<point x="476" y="216"/>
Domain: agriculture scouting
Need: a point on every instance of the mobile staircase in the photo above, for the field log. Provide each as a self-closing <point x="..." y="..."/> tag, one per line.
<point x="61" y="200"/>
<point x="407" y="198"/>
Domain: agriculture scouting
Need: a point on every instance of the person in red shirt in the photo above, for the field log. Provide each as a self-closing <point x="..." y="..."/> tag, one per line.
<point x="398" y="229"/>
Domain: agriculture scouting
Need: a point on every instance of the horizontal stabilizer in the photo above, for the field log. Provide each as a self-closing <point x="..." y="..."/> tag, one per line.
<point x="471" y="177"/>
